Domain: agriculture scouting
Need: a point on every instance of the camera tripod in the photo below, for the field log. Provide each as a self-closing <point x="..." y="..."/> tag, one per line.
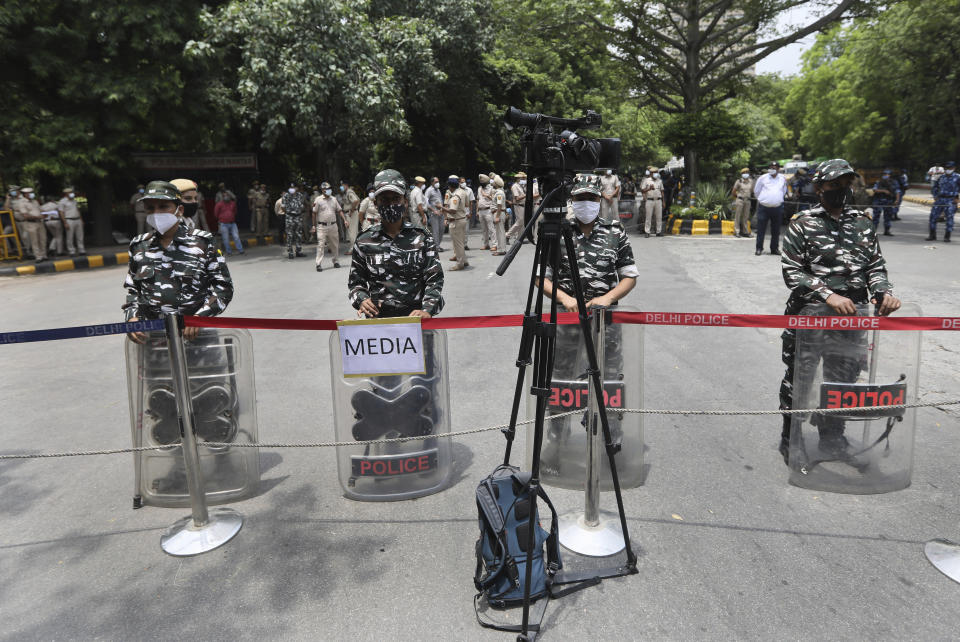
<point x="537" y="345"/>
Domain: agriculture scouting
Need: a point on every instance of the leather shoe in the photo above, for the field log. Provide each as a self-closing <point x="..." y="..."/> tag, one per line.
<point x="759" y="252"/>
<point x="335" y="264"/>
<point x="319" y="269"/>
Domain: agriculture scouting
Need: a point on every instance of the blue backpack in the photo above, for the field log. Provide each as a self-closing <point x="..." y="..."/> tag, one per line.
<point x="503" y="504"/>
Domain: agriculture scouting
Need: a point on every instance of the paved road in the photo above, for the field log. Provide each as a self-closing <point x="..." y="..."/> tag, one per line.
<point x="727" y="548"/>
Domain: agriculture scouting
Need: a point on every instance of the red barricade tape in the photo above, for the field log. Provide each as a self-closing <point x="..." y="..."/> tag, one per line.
<point x="643" y="318"/>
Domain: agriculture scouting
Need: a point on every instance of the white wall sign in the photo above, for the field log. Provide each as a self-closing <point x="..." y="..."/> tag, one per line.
<point x="370" y="347"/>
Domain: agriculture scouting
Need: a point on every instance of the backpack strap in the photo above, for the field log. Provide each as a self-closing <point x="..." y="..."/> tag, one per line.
<point x="493" y="516"/>
<point x="537" y="611"/>
<point x="554" y="563"/>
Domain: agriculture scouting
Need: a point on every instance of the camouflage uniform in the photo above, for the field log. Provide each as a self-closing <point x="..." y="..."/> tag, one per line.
<point x="823" y="256"/>
<point x="294" y="206"/>
<point x="945" y="191"/>
<point x="188" y="277"/>
<point x="400" y="274"/>
<point x="883" y="203"/>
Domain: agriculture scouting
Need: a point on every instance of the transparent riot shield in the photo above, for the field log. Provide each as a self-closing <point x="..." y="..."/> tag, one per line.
<point x="853" y="452"/>
<point x="385" y="407"/>
<point x="220" y="369"/>
<point x="563" y="458"/>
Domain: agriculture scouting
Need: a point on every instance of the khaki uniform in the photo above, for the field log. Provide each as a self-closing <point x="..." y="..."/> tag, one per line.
<point x="368" y="214"/>
<point x="326" y="210"/>
<point x="74" y="230"/>
<point x="32" y="232"/>
<point x="455" y="209"/>
<point x="610" y="189"/>
<point x="499" y="219"/>
<point x="652" y="203"/>
<point x="485" y="214"/>
<point x="418" y="201"/>
<point x="51" y="221"/>
<point x="519" y="193"/>
<point x="260" y="204"/>
<point x="743" y="190"/>
<point x="139" y="212"/>
<point x="351" y="204"/>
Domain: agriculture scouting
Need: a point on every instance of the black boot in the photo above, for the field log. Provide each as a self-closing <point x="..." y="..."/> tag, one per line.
<point x="932" y="236"/>
<point x="946" y="237"/>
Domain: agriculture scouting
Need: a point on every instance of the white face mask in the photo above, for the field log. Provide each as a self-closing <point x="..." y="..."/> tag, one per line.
<point x="436" y="185"/>
<point x="327" y="192"/>
<point x="31" y="196"/>
<point x="522" y="182"/>
<point x="162" y="222"/>
<point x="949" y="171"/>
<point x="744" y="175"/>
<point x="610" y="172"/>
<point x="71" y="195"/>
<point x="772" y="172"/>
<point x="646" y="173"/>
<point x="656" y="174"/>
<point x="370" y="195"/>
<point x="586" y="211"/>
<point x="292" y="190"/>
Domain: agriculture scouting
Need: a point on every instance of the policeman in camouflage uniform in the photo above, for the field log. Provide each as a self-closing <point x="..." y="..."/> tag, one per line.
<point x="885" y="198"/>
<point x="295" y="207"/>
<point x="946" y="192"/>
<point x="395" y="271"/>
<point x="830" y="255"/>
<point x="173" y="269"/>
<point x="607" y="274"/>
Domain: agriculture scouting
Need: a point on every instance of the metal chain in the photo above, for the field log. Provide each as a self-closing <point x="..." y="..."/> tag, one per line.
<point x="473" y="431"/>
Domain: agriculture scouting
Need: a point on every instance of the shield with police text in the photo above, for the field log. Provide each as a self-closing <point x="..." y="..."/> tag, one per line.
<point x="848" y="369"/>
<point x="375" y="408"/>
<point x="220" y="371"/>
<point x="563" y="457"/>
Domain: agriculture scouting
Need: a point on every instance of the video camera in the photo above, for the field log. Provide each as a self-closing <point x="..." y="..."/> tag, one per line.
<point x="545" y="150"/>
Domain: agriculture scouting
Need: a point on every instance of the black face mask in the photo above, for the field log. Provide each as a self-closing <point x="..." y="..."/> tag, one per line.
<point x="836" y="198"/>
<point x="190" y="209"/>
<point x="391" y="213"/>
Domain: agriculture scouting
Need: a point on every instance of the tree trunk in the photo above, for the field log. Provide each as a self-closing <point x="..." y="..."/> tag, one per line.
<point x="690" y="161"/>
<point x="101" y="209"/>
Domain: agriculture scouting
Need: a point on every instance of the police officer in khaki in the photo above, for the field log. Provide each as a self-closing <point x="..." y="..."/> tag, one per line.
<point x="518" y="192"/>
<point x="139" y="212"/>
<point x="651" y="190"/>
<point x="350" y="203"/>
<point x="369" y="216"/>
<point x="72" y="221"/>
<point x="30" y="221"/>
<point x="484" y="212"/>
<point x="455" y="210"/>
<point x="326" y="209"/>
<point x="418" y="204"/>
<point x="499" y="216"/>
<point x="610" y="201"/>
<point x="742" y="192"/>
<point x="261" y="212"/>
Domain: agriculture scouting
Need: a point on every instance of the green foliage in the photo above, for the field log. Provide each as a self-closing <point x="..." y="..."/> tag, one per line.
<point x="712" y="196"/>
<point x="714" y="133"/>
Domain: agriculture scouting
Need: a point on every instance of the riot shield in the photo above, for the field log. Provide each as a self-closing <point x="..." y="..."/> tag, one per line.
<point x="220" y="370"/>
<point x="563" y="458"/>
<point x="625" y="209"/>
<point x="857" y="452"/>
<point x="385" y="407"/>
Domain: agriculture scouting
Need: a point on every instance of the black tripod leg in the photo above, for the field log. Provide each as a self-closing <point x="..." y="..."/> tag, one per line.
<point x="530" y="324"/>
<point x="596" y="373"/>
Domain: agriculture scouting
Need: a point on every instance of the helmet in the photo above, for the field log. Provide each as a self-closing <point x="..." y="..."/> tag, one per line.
<point x="389" y="180"/>
<point x="586" y="183"/>
<point x="161" y="191"/>
<point x="832" y="169"/>
<point x="183" y="184"/>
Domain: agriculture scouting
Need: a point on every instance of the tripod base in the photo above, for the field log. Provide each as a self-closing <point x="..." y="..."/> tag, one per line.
<point x="601" y="540"/>
<point x="945" y="555"/>
<point x="183" y="539"/>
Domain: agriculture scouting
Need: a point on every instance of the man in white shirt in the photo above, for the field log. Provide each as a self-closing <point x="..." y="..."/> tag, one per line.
<point x="770" y="190"/>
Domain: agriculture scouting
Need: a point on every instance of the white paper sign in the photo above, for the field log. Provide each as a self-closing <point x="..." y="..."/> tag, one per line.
<point x="370" y="347"/>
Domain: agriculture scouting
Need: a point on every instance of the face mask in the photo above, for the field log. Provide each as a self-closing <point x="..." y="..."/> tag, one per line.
<point x="609" y="172"/>
<point x="140" y="190"/>
<point x="744" y="175"/>
<point x="772" y="172"/>
<point x="328" y="192"/>
<point x="343" y="188"/>
<point x="32" y="196"/>
<point x="949" y="171"/>
<point x="190" y="209"/>
<point x="836" y="198"/>
<point x="71" y="195"/>
<point x="370" y="194"/>
<point x="292" y="190"/>
<point x="586" y="211"/>
<point x="646" y="173"/>
<point x="162" y="222"/>
<point x="656" y="174"/>
<point x="522" y="183"/>
<point x="436" y="185"/>
<point x="391" y="213"/>
<point x="463" y="186"/>
<point x="14" y="193"/>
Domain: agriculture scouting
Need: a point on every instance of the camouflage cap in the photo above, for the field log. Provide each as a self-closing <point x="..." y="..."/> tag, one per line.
<point x="831" y="170"/>
<point x="161" y="191"/>
<point x="13" y="188"/>
<point x="389" y="180"/>
<point x="586" y="183"/>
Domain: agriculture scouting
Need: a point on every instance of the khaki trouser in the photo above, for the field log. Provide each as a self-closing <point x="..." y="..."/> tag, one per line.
<point x="261" y="221"/>
<point x="141" y="222"/>
<point x="517" y="228"/>
<point x="486" y="227"/>
<point x="75" y="236"/>
<point x="458" y="232"/>
<point x="741" y="216"/>
<point x="328" y="233"/>
<point x="608" y="209"/>
<point x="55" y="234"/>
<point x="354" y="218"/>
<point x="34" y="233"/>
<point x="501" y="230"/>
<point x="654" y="209"/>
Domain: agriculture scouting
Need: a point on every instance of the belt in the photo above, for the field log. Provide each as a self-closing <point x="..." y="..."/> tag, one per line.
<point x="330" y="223"/>
<point x="483" y="209"/>
<point x="75" y="218"/>
<point x="655" y="199"/>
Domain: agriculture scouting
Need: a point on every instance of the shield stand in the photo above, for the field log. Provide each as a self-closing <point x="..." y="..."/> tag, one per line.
<point x="203" y="530"/>
<point x="538" y="340"/>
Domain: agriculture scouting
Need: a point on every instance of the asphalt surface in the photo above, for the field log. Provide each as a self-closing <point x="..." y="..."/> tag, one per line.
<point x="728" y="549"/>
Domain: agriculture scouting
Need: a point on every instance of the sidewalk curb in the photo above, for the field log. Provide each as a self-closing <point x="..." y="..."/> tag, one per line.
<point x="92" y="261"/>
<point x="918" y="200"/>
